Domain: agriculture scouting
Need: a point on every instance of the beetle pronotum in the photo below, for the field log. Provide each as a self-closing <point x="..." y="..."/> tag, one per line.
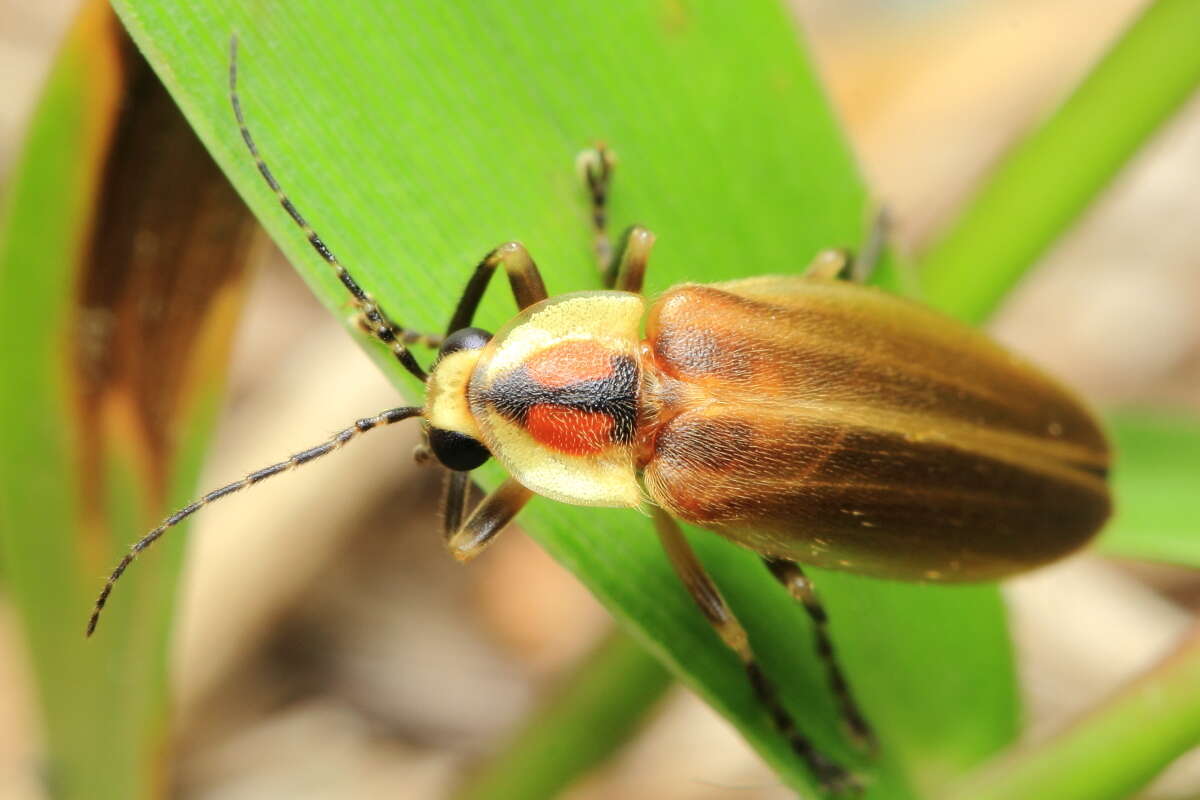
<point x="807" y="418"/>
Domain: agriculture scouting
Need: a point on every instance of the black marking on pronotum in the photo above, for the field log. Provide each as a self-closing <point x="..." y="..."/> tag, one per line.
<point x="515" y="393"/>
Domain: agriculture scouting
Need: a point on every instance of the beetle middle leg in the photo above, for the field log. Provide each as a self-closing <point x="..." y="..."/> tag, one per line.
<point x="708" y="597"/>
<point x="628" y="268"/>
<point x="596" y="166"/>
<point x="858" y="266"/>
<point x="625" y="266"/>
<point x="801" y="588"/>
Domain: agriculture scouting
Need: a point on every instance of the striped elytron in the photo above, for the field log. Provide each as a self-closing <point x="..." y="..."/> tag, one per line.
<point x="806" y="418"/>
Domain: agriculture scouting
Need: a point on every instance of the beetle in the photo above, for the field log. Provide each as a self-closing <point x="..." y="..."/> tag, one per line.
<point x="808" y="418"/>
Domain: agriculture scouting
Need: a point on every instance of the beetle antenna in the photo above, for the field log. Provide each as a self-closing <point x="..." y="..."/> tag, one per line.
<point x="373" y="318"/>
<point x="303" y="457"/>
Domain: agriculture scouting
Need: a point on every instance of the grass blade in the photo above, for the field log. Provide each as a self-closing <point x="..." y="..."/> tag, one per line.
<point x="1113" y="752"/>
<point x="1050" y="177"/>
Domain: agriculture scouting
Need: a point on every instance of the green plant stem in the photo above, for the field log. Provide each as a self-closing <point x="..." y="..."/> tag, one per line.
<point x="597" y="710"/>
<point x="1115" y="750"/>
<point x="1047" y="180"/>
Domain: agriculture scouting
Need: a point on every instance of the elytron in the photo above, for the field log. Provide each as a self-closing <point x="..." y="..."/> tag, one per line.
<point x="805" y="417"/>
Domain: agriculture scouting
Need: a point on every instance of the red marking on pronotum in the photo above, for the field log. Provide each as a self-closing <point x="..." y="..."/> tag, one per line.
<point x="570" y="430"/>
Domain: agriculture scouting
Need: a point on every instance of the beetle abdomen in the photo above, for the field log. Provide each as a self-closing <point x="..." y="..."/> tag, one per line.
<point x="840" y="426"/>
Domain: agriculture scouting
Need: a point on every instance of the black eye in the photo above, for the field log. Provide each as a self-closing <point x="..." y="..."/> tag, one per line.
<point x="464" y="339"/>
<point x="457" y="450"/>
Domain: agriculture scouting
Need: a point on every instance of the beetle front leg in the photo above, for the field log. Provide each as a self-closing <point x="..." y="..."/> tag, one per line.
<point x="403" y="335"/>
<point x="489" y="518"/>
<point x="523" y="277"/>
<point x="708" y="597"/>
<point x="802" y="590"/>
<point x="454" y="501"/>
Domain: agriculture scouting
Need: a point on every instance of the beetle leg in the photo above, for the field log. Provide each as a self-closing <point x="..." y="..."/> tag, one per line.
<point x="454" y="501"/>
<point x="708" y="597"/>
<point x="523" y="277"/>
<point x="801" y="588"/>
<point x="866" y="259"/>
<point x="596" y="166"/>
<point x="854" y="267"/>
<point x="828" y="265"/>
<point x="489" y="518"/>
<point x="403" y="335"/>
<point x="628" y="267"/>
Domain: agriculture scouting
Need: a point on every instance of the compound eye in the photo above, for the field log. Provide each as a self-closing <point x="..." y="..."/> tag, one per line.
<point x="457" y="451"/>
<point x="464" y="339"/>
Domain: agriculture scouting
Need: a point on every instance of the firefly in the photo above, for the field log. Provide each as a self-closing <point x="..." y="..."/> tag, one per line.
<point x="808" y="418"/>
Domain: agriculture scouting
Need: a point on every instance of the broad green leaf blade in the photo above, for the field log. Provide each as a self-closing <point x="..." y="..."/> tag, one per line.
<point x="416" y="137"/>
<point x="109" y="388"/>
<point x="1155" y="482"/>
<point x="1050" y="177"/>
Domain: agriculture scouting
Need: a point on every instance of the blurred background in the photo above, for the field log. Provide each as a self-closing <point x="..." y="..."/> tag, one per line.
<point x="363" y="662"/>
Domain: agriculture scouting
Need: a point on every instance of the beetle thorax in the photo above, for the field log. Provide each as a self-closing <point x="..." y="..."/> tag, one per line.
<point x="555" y="397"/>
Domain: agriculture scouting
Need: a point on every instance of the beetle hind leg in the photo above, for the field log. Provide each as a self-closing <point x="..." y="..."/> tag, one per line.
<point x="801" y="588"/>
<point x="832" y="776"/>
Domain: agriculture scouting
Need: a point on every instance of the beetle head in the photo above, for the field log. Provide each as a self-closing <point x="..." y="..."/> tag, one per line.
<point x="450" y="428"/>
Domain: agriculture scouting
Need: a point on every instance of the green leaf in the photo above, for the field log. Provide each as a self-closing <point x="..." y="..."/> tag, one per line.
<point x="1155" y="483"/>
<point x="416" y="137"/>
<point x="1050" y="177"/>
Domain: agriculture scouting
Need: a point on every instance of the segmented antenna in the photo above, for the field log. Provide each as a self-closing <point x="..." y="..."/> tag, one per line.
<point x="303" y="457"/>
<point x="374" y="320"/>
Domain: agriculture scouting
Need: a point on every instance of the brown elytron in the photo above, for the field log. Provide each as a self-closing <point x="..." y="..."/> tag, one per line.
<point x="804" y="417"/>
<point x="833" y="424"/>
